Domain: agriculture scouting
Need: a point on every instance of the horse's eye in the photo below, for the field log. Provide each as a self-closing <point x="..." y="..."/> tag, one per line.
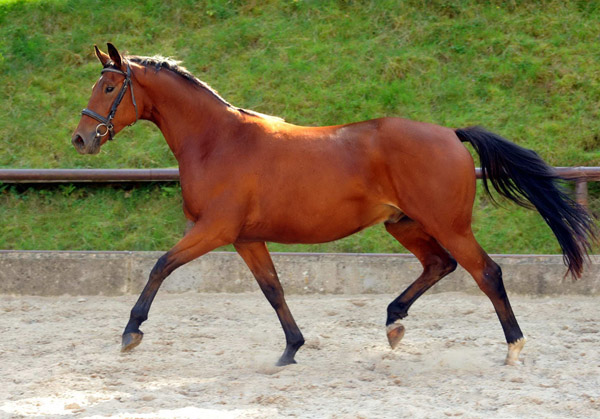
<point x="109" y="89"/>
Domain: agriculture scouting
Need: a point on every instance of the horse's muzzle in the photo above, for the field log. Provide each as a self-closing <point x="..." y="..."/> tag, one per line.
<point x="83" y="146"/>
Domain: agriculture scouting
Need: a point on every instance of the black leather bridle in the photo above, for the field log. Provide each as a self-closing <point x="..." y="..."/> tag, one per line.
<point x="106" y="123"/>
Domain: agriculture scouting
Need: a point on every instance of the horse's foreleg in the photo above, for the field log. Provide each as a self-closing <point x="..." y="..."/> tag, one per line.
<point x="259" y="261"/>
<point x="199" y="240"/>
<point x="436" y="262"/>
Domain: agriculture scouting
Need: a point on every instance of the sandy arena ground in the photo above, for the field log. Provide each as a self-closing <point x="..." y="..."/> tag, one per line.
<point x="213" y="355"/>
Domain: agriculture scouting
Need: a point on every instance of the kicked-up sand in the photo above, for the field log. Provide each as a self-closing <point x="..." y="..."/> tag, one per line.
<point x="213" y="356"/>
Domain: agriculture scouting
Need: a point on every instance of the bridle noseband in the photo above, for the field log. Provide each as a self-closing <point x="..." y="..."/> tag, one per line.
<point x="106" y="123"/>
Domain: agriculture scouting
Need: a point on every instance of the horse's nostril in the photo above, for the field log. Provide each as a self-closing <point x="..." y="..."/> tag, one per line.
<point x="78" y="141"/>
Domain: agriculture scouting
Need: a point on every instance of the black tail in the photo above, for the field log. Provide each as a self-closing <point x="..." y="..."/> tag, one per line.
<point x="523" y="177"/>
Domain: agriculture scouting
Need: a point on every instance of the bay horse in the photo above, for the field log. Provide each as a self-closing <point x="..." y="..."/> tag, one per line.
<point x="248" y="178"/>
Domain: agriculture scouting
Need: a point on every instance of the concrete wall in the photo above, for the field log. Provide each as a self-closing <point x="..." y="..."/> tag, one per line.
<point x="117" y="273"/>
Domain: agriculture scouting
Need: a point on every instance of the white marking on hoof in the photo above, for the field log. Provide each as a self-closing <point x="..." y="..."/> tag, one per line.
<point x="395" y="333"/>
<point x="393" y="326"/>
<point x="514" y="349"/>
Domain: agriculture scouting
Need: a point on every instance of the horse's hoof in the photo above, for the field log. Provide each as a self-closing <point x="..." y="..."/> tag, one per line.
<point x="131" y="340"/>
<point x="395" y="333"/>
<point x="514" y="349"/>
<point x="283" y="362"/>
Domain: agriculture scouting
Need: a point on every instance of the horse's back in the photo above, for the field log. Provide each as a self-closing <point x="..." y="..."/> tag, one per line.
<point x="413" y="157"/>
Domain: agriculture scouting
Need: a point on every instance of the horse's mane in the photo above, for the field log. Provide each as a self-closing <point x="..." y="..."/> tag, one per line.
<point x="159" y="62"/>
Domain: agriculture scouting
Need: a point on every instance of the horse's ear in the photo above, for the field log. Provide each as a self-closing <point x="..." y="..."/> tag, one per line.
<point x="114" y="55"/>
<point x="104" y="58"/>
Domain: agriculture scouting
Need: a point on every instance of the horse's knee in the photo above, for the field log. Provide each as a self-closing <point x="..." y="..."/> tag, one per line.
<point x="449" y="265"/>
<point x="435" y="267"/>
<point x="490" y="281"/>
<point x="159" y="267"/>
<point x="162" y="269"/>
<point x="440" y="266"/>
<point x="274" y="294"/>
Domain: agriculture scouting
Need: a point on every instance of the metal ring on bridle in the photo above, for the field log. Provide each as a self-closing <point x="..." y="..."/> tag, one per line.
<point x="107" y="127"/>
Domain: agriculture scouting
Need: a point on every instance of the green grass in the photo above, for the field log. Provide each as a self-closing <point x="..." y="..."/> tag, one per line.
<point x="103" y="218"/>
<point x="529" y="70"/>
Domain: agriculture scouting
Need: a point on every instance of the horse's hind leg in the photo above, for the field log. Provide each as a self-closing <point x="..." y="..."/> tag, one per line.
<point x="488" y="276"/>
<point x="436" y="262"/>
<point x="259" y="261"/>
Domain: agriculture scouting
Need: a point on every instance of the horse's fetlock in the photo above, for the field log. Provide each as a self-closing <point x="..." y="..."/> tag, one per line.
<point x="298" y="343"/>
<point x="139" y="316"/>
<point x="395" y="312"/>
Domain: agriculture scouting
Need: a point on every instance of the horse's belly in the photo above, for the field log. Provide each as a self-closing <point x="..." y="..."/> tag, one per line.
<point x="307" y="228"/>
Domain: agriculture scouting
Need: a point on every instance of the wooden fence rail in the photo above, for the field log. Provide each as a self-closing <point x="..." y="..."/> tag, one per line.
<point x="580" y="175"/>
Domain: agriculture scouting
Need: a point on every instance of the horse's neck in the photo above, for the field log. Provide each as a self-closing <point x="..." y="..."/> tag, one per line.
<point x="185" y="113"/>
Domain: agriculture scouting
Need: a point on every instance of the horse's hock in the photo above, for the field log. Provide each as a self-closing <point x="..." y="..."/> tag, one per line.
<point x="117" y="273"/>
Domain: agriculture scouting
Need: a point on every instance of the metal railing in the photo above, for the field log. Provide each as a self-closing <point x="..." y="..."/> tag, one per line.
<point x="580" y="175"/>
<point x="87" y="175"/>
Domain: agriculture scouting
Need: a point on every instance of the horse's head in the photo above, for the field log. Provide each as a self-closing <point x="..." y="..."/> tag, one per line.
<point x="110" y="108"/>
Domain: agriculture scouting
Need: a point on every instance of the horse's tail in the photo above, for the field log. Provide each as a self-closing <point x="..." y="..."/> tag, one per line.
<point x="523" y="177"/>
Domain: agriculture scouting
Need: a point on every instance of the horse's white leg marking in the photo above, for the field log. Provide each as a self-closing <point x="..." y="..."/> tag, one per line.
<point x="514" y="349"/>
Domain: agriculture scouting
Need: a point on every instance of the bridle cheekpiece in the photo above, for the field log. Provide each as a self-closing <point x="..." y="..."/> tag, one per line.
<point x="105" y="127"/>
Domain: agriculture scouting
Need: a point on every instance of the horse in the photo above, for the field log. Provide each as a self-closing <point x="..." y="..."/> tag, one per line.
<point x="248" y="178"/>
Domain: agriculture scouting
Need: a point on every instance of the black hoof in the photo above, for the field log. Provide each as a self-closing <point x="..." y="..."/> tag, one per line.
<point x="131" y="340"/>
<point x="285" y="361"/>
<point x="288" y="355"/>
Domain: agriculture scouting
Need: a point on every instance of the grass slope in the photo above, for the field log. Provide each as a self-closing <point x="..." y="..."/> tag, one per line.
<point x="529" y="70"/>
